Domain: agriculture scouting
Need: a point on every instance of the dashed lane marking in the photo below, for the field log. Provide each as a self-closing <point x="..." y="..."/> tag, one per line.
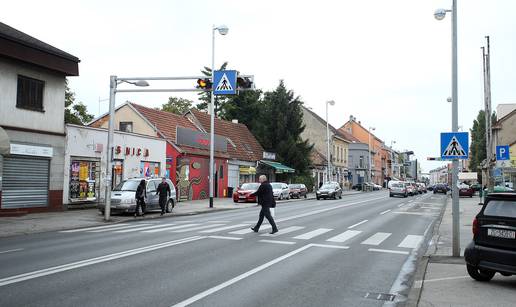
<point x="377" y="238"/>
<point x="344" y="236"/>
<point x="278" y="242"/>
<point x="225" y="238"/>
<point x="358" y="224"/>
<point x="389" y="251"/>
<point x="386" y="211"/>
<point x="411" y="241"/>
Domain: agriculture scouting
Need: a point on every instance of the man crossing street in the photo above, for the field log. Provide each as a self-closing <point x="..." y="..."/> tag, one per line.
<point x="266" y="200"/>
<point x="164" y="193"/>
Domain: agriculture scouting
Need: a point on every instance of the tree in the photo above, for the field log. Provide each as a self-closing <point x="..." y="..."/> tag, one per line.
<point x="205" y="97"/>
<point x="246" y="107"/>
<point x="75" y="112"/>
<point x="176" y="105"/>
<point x="280" y="128"/>
<point x="478" y="140"/>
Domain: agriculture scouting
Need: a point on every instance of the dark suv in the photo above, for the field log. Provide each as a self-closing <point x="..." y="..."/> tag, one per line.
<point x="440" y="188"/>
<point x="493" y="248"/>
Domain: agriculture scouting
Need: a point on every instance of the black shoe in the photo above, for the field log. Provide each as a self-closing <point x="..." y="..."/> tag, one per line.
<point x="273" y="232"/>
<point x="161" y="213"/>
<point x="254" y="229"/>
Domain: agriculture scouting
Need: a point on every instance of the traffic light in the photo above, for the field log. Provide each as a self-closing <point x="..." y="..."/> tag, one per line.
<point x="244" y="83"/>
<point x="204" y="84"/>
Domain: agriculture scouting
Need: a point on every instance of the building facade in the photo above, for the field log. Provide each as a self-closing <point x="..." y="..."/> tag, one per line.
<point x="135" y="156"/>
<point x="32" y="130"/>
<point x="358" y="162"/>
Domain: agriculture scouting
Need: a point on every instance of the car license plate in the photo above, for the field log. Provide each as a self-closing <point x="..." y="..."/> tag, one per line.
<point x="501" y="233"/>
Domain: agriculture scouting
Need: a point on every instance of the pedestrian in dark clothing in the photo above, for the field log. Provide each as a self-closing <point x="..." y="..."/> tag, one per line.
<point x="266" y="200"/>
<point x="141" y="193"/>
<point x="164" y="193"/>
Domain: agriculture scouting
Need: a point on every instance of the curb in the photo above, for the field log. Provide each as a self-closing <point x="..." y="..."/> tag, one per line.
<point x="416" y="289"/>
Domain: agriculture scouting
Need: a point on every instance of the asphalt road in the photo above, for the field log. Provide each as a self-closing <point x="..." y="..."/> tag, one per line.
<point x="328" y="253"/>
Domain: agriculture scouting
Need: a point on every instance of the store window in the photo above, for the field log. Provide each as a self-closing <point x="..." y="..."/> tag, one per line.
<point x="117" y="173"/>
<point x="84" y="180"/>
<point x="149" y="169"/>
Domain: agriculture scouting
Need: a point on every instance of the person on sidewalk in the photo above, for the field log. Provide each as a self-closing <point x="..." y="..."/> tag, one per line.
<point x="140" y="198"/>
<point x="164" y="194"/>
<point x="266" y="200"/>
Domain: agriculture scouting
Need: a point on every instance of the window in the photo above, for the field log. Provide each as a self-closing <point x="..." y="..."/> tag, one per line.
<point x="504" y="208"/>
<point x="126" y="126"/>
<point x="361" y="162"/>
<point x="30" y="94"/>
<point x="221" y="172"/>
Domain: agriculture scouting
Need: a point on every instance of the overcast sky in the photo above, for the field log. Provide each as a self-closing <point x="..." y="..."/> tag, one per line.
<point x="385" y="62"/>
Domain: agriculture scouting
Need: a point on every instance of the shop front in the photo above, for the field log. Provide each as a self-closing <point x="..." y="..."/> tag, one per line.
<point x="135" y="156"/>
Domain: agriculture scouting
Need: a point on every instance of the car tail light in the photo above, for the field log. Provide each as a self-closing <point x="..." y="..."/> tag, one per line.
<point x="475" y="227"/>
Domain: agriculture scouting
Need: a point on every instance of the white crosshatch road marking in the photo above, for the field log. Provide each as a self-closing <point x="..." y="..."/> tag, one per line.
<point x="377" y="238"/>
<point x="284" y="231"/>
<point x="169" y="228"/>
<point x="248" y="230"/>
<point x="312" y="234"/>
<point x="143" y="228"/>
<point x="118" y="228"/>
<point x="224" y="228"/>
<point x="411" y="241"/>
<point x="343" y="237"/>
<point x="94" y="228"/>
<point x="198" y="228"/>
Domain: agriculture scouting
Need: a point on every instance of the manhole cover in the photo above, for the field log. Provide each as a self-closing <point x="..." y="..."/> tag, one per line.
<point x="380" y="296"/>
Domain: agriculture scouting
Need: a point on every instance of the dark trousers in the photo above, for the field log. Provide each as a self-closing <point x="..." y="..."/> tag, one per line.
<point x="265" y="212"/>
<point x="163" y="203"/>
<point x="140" y="204"/>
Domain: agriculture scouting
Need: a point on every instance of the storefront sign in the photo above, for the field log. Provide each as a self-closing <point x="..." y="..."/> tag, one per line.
<point x="29" y="150"/>
<point x="269" y="155"/>
<point x="132" y="151"/>
<point x="200" y="139"/>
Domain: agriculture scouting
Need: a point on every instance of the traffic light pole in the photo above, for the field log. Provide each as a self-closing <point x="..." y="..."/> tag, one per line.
<point x="455" y="128"/>
<point x="212" y="116"/>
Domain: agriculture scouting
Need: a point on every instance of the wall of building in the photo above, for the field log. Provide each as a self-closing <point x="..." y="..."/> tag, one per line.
<point x="315" y="132"/>
<point x="127" y="114"/>
<point x="81" y="142"/>
<point x="357" y="150"/>
<point x="52" y="119"/>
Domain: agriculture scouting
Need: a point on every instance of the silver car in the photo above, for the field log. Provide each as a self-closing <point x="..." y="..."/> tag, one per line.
<point x="123" y="198"/>
<point x="280" y="190"/>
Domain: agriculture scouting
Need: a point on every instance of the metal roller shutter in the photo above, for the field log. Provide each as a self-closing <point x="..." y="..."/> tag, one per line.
<point x="25" y="182"/>
<point x="233" y="175"/>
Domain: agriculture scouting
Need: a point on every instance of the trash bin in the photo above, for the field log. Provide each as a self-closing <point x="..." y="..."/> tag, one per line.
<point x="230" y="192"/>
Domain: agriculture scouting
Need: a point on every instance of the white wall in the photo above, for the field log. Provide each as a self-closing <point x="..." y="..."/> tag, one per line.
<point x="80" y="142"/>
<point x="53" y="98"/>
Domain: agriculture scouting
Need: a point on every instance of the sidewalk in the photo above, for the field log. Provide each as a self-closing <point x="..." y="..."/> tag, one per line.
<point x="446" y="281"/>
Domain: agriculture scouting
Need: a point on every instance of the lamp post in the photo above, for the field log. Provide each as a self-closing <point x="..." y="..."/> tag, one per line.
<point x="439" y="15"/>
<point x="328" y="155"/>
<point x="223" y="30"/>
<point x="369" y="147"/>
<point x="111" y="131"/>
<point x="392" y="158"/>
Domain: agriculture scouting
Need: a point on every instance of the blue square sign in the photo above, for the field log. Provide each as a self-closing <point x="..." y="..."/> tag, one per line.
<point x="454" y="145"/>
<point x="502" y="153"/>
<point x="225" y="82"/>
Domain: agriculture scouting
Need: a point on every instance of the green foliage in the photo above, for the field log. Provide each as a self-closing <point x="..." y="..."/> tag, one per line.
<point x="176" y="105"/>
<point x="205" y="97"/>
<point x="281" y="125"/>
<point x="246" y="106"/>
<point x="75" y="112"/>
<point x="306" y="179"/>
<point x="478" y="140"/>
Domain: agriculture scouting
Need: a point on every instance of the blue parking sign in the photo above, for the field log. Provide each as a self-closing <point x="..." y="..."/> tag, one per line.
<point x="454" y="145"/>
<point x="502" y="153"/>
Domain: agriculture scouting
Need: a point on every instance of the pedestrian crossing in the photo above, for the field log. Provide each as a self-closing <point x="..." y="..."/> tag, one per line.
<point x="243" y="230"/>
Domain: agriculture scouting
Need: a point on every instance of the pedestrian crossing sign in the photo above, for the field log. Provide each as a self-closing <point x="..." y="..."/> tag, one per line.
<point x="225" y="82"/>
<point x="454" y="145"/>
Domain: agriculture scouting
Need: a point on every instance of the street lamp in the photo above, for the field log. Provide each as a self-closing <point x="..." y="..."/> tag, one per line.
<point x="223" y="30"/>
<point x="440" y="14"/>
<point x="328" y="155"/>
<point x="393" y="165"/>
<point x="111" y="131"/>
<point x="370" y="175"/>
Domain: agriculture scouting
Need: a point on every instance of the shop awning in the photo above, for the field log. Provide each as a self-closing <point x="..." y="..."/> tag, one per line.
<point x="5" y="146"/>
<point x="279" y="168"/>
<point x="247" y="170"/>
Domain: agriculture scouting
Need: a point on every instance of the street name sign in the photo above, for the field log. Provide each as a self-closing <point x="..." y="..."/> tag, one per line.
<point x="502" y="153"/>
<point x="454" y="145"/>
<point x="225" y="82"/>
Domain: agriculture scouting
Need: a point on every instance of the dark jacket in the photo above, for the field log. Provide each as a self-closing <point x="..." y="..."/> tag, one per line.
<point x="163" y="190"/>
<point x="140" y="192"/>
<point x="265" y="195"/>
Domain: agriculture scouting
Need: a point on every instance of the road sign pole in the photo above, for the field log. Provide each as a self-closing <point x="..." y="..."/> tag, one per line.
<point x="455" y="128"/>
<point x="212" y="116"/>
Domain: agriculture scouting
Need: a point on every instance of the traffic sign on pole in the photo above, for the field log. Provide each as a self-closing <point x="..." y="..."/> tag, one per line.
<point x="502" y="152"/>
<point x="225" y="82"/>
<point x="454" y="145"/>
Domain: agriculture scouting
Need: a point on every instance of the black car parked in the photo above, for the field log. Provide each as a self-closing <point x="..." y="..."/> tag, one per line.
<point x="440" y="188"/>
<point x="493" y="248"/>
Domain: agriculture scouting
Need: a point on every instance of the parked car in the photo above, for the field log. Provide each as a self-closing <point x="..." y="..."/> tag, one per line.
<point x="422" y="186"/>
<point x="243" y="193"/>
<point x="329" y="190"/>
<point x="123" y="198"/>
<point x="411" y="190"/>
<point x="368" y="186"/>
<point x="440" y="188"/>
<point x="357" y="187"/>
<point x="398" y="189"/>
<point x="465" y="190"/>
<point x="493" y="248"/>
<point x="298" y="190"/>
<point x="430" y="187"/>
<point x="280" y="190"/>
<point x="376" y="187"/>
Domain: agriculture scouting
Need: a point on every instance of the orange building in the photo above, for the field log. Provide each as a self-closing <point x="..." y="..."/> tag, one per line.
<point x="356" y="129"/>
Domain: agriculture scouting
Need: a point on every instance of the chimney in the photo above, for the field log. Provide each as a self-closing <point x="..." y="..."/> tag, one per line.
<point x="359" y="122"/>
<point x="351" y="118"/>
<point x="235" y="121"/>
